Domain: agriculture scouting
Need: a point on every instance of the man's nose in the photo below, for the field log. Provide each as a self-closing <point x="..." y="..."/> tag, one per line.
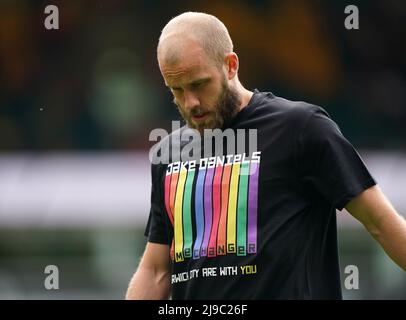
<point x="191" y="100"/>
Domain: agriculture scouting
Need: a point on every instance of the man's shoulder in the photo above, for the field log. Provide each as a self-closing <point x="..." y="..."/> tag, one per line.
<point x="297" y="112"/>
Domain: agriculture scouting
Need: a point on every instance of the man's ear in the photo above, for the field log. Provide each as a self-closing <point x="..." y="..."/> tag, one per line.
<point x="232" y="64"/>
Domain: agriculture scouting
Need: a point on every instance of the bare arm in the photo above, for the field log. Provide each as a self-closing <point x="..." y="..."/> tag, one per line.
<point x="382" y="221"/>
<point x="151" y="281"/>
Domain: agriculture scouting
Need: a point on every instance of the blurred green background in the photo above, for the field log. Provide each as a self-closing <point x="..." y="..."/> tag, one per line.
<point x="77" y="106"/>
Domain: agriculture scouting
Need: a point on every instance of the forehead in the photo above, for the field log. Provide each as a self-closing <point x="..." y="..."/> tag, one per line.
<point x="190" y="64"/>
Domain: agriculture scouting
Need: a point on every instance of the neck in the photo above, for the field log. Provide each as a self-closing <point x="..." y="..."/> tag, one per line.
<point x="244" y="94"/>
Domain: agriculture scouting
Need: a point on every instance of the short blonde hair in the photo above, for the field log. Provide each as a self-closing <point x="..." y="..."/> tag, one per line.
<point x="204" y="28"/>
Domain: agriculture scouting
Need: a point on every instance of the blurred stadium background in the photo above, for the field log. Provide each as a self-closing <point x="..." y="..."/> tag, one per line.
<point x="77" y="105"/>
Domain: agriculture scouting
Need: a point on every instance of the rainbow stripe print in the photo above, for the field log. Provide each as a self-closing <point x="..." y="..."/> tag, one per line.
<point x="212" y="205"/>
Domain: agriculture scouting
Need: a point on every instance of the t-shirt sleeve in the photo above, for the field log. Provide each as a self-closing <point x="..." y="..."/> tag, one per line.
<point x="157" y="226"/>
<point x="329" y="162"/>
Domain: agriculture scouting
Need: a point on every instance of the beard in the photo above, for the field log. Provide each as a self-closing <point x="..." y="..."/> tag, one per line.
<point x="220" y="115"/>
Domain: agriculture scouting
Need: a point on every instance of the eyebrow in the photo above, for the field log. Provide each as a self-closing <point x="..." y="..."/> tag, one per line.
<point x="198" y="81"/>
<point x="194" y="82"/>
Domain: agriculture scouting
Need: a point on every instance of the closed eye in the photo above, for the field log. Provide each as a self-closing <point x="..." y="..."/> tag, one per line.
<point x="199" y="83"/>
<point x="176" y="89"/>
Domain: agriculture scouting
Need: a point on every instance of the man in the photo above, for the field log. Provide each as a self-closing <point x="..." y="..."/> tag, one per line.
<point x="257" y="225"/>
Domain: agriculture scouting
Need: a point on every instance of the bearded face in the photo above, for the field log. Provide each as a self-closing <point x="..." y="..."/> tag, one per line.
<point x="217" y="115"/>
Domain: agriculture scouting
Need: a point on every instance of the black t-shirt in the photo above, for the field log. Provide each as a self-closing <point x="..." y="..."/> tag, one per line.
<point x="261" y="224"/>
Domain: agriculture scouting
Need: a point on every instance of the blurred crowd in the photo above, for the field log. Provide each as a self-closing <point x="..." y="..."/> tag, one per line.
<point x="94" y="84"/>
